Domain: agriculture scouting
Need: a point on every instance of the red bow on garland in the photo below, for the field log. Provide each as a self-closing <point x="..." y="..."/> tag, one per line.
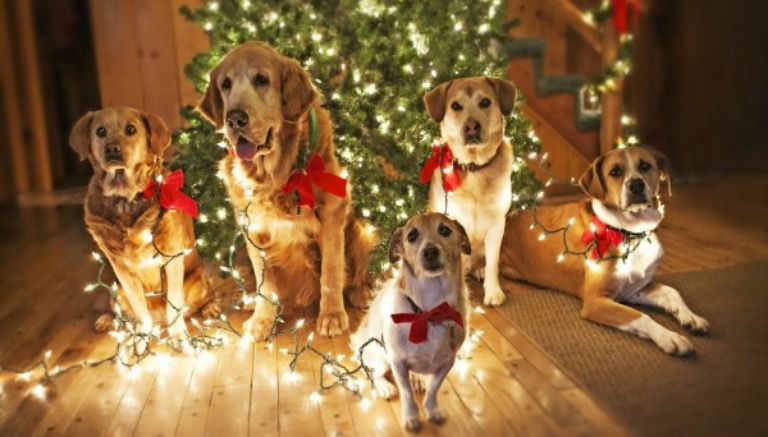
<point x="620" y="9"/>
<point x="420" y="321"/>
<point x="171" y="196"/>
<point x="604" y="237"/>
<point x="451" y="174"/>
<point x="314" y="174"/>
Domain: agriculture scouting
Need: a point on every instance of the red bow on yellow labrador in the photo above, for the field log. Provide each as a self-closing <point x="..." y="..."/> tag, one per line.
<point x="314" y="174"/>
<point x="171" y="196"/>
<point x="604" y="237"/>
<point x="451" y="174"/>
<point x="420" y="321"/>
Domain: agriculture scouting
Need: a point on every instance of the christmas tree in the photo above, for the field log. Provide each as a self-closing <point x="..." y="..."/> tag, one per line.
<point x="372" y="61"/>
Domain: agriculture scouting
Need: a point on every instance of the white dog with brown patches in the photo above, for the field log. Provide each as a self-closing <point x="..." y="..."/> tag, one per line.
<point x="475" y="167"/>
<point x="421" y="313"/>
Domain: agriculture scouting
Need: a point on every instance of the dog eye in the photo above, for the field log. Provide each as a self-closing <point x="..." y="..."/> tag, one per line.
<point x="615" y="172"/>
<point x="413" y="235"/>
<point x="130" y="130"/>
<point x="486" y="102"/>
<point x="101" y="132"/>
<point x="456" y="106"/>
<point x="261" y="80"/>
<point x="644" y="166"/>
<point x="226" y="84"/>
<point x="444" y="230"/>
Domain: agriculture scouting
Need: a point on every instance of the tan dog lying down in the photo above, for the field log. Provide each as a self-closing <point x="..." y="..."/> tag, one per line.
<point x="623" y="185"/>
<point x="430" y="278"/>
<point x="125" y="148"/>
<point x="264" y="102"/>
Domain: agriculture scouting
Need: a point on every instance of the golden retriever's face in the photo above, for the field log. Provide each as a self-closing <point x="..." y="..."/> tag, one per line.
<point x="430" y="244"/>
<point x="471" y="114"/>
<point x="120" y="142"/>
<point x="251" y="94"/>
<point x="627" y="179"/>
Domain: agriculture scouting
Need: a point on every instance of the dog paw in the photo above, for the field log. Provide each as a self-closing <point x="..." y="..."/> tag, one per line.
<point x="258" y="327"/>
<point x="412" y="423"/>
<point x="178" y="329"/>
<point x="675" y="344"/>
<point x="494" y="297"/>
<point x="436" y="416"/>
<point x="104" y="323"/>
<point x="695" y="324"/>
<point x="332" y="323"/>
<point x="385" y="389"/>
<point x="211" y="311"/>
<point x="417" y="383"/>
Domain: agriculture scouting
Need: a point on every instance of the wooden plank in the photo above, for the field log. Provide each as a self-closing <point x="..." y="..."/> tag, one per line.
<point x="34" y="107"/>
<point x="264" y="412"/>
<point x="334" y="408"/>
<point x="611" y="102"/>
<point x="190" y="40"/>
<point x="230" y="401"/>
<point x="568" y="12"/>
<point x="553" y="33"/>
<point x="157" y="59"/>
<point x="117" y="52"/>
<point x="132" y="402"/>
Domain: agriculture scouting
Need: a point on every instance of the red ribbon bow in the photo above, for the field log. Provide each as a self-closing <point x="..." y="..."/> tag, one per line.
<point x="620" y="9"/>
<point x="314" y="174"/>
<point x="451" y="174"/>
<point x="604" y="237"/>
<point x="171" y="196"/>
<point x="420" y="321"/>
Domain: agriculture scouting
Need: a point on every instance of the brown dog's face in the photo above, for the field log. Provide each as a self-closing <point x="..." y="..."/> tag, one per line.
<point x="627" y="179"/>
<point x="429" y="244"/>
<point x="120" y="143"/>
<point x="251" y="93"/>
<point x="471" y="114"/>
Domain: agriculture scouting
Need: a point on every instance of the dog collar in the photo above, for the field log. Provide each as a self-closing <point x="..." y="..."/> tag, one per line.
<point x="473" y="166"/>
<point x="420" y="320"/>
<point x="602" y="236"/>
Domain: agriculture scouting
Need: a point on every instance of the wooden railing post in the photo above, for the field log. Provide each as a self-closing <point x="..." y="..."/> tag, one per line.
<point x="610" y="125"/>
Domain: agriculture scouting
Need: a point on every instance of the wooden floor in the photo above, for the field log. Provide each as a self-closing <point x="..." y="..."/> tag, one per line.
<point x="508" y="386"/>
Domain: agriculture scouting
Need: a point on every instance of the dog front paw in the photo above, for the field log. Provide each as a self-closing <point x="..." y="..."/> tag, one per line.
<point x="211" y="310"/>
<point x="694" y="323"/>
<point x="178" y="329"/>
<point x="385" y="389"/>
<point x="412" y="423"/>
<point x="104" y="323"/>
<point x="436" y="416"/>
<point x="674" y="344"/>
<point x="332" y="323"/>
<point x="258" y="327"/>
<point x="493" y="296"/>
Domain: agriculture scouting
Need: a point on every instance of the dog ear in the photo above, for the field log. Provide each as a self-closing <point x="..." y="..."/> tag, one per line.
<point x="80" y="136"/>
<point x="298" y="94"/>
<point x="396" y="246"/>
<point x="662" y="162"/>
<point x="591" y="182"/>
<point x="466" y="247"/>
<point x="158" y="135"/>
<point x="435" y="101"/>
<point x="212" y="105"/>
<point x="505" y="93"/>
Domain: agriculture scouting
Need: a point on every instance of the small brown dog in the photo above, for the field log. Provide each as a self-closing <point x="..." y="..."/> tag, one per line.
<point x="268" y="109"/>
<point x="125" y="148"/>
<point x="624" y="210"/>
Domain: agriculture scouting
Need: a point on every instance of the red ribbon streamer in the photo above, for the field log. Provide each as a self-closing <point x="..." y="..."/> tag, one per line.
<point x="420" y="321"/>
<point x="451" y="173"/>
<point x="620" y="9"/>
<point x="171" y="196"/>
<point x="604" y="237"/>
<point x="314" y="174"/>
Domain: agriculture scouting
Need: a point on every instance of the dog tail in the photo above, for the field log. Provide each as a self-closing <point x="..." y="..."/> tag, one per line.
<point x="358" y="246"/>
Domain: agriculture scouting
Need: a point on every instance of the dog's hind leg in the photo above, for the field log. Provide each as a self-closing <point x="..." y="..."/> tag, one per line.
<point x="434" y="413"/>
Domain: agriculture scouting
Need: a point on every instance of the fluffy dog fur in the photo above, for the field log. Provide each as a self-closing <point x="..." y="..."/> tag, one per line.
<point x="125" y="148"/>
<point x="427" y="283"/>
<point x="603" y="289"/>
<point x="471" y="114"/>
<point x="260" y="99"/>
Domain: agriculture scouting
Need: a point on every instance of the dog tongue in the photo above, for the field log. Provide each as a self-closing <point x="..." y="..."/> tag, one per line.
<point x="245" y="149"/>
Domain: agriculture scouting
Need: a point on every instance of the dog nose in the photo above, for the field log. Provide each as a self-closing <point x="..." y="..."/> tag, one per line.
<point x="112" y="149"/>
<point x="472" y="128"/>
<point x="431" y="253"/>
<point x="636" y="186"/>
<point x="237" y="118"/>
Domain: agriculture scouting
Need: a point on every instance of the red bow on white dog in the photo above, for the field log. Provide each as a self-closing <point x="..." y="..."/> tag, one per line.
<point x="420" y="321"/>
<point x="451" y="174"/>
<point x="171" y="196"/>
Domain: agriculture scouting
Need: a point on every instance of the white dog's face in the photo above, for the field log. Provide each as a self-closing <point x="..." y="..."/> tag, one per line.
<point x="471" y="114"/>
<point x="429" y="244"/>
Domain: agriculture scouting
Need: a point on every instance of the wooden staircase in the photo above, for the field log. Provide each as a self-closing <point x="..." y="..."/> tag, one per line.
<point x="553" y="38"/>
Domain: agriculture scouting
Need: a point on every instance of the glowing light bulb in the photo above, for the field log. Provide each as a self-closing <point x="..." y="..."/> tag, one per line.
<point x="542" y="236"/>
<point x="300" y="324"/>
<point x="560" y="258"/>
<point x="39" y="391"/>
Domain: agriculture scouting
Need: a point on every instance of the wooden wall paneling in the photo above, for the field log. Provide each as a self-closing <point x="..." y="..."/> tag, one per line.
<point x="17" y="161"/>
<point x="528" y="11"/>
<point x="157" y="58"/>
<point x="33" y="97"/>
<point x="190" y="40"/>
<point x="611" y="102"/>
<point x="117" y="52"/>
<point x="553" y="32"/>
